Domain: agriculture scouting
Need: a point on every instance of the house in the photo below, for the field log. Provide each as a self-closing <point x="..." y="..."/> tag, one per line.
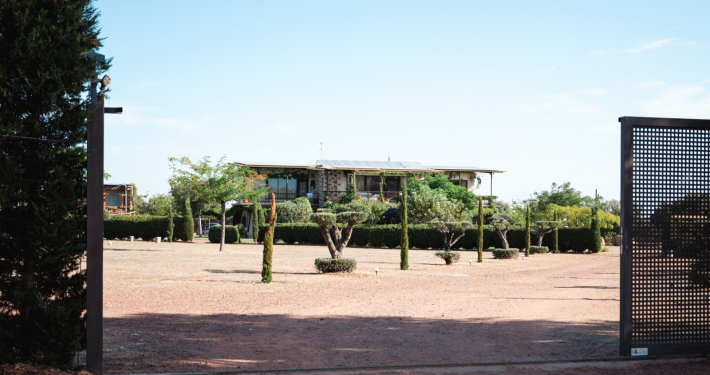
<point x="327" y="180"/>
<point x="119" y="199"/>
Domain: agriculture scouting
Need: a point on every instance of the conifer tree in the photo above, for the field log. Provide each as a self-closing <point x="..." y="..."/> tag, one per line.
<point x="189" y="222"/>
<point x="269" y="244"/>
<point x="480" y="230"/>
<point x="45" y="70"/>
<point x="596" y="231"/>
<point x="555" y="238"/>
<point x="404" y="242"/>
<point x="171" y="224"/>
<point x="527" y="230"/>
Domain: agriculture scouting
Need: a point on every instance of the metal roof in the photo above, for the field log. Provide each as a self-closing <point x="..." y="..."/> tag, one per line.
<point x="370" y="165"/>
<point x="276" y="165"/>
<point x="363" y="164"/>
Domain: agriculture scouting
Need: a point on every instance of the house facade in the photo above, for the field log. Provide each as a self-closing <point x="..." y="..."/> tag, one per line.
<point x="327" y="180"/>
<point x="119" y="199"/>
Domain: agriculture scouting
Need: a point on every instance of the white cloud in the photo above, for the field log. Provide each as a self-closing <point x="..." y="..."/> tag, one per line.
<point x="651" y="45"/>
<point x="571" y="102"/>
<point x="679" y="101"/>
<point x="650" y="84"/>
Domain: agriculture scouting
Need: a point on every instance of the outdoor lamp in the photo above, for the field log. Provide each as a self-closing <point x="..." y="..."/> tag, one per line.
<point x="105" y="81"/>
<point x="377" y="269"/>
<point x="470" y="262"/>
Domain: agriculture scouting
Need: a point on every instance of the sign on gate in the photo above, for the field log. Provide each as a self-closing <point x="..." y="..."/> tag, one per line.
<point x="665" y="249"/>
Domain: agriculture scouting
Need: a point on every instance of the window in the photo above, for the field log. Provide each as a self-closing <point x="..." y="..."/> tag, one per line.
<point x="114" y="201"/>
<point x="463" y="183"/>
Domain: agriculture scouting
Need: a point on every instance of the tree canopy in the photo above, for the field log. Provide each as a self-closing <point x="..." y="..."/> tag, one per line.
<point x="561" y="195"/>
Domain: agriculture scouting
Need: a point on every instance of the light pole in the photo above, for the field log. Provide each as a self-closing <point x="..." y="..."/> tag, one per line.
<point x="95" y="224"/>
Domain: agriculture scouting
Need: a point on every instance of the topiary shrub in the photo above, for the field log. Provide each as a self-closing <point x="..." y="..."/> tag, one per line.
<point x="242" y="229"/>
<point x="450" y="257"/>
<point x="505" y="253"/>
<point x="289" y="212"/>
<point x="303" y="201"/>
<point x="231" y="235"/>
<point x="325" y="265"/>
<point x="539" y="249"/>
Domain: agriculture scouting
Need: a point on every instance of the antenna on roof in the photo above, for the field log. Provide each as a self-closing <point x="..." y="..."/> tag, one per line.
<point x="321" y="151"/>
<point x="388" y="158"/>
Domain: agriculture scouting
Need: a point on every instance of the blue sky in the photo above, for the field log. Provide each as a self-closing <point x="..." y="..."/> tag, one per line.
<point x="531" y="88"/>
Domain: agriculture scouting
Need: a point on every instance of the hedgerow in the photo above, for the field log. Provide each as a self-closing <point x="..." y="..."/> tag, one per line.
<point x="145" y="227"/>
<point x="421" y="236"/>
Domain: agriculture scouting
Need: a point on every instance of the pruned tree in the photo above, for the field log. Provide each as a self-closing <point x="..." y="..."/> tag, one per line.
<point x="337" y="237"/>
<point x="501" y="226"/>
<point x="269" y="244"/>
<point x="544" y="227"/>
<point x="404" y="239"/>
<point x="480" y="231"/>
<point x="449" y="230"/>
<point x="527" y="230"/>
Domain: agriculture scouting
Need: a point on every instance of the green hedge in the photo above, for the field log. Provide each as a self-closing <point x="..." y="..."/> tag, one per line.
<point x="506" y="253"/>
<point x="326" y="265"/>
<point x="231" y="234"/>
<point x="421" y="236"/>
<point x="145" y="227"/>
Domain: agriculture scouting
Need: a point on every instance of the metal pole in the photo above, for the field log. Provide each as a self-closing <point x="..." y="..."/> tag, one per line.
<point x="94" y="234"/>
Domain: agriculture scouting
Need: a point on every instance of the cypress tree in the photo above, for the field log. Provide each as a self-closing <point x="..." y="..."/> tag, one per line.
<point x="596" y="231"/>
<point x="44" y="74"/>
<point x="171" y="224"/>
<point x="189" y="222"/>
<point x="404" y="242"/>
<point x="555" y="239"/>
<point x="269" y="244"/>
<point x="527" y="230"/>
<point x="480" y="230"/>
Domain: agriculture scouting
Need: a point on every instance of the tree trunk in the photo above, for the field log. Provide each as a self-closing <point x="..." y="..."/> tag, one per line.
<point x="221" y="240"/>
<point x="329" y="242"/>
<point x="344" y="239"/>
<point x="540" y="234"/>
<point x="199" y="223"/>
<point x="503" y="238"/>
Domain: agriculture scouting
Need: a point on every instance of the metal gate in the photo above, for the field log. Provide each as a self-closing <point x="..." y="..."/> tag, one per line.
<point x="665" y="250"/>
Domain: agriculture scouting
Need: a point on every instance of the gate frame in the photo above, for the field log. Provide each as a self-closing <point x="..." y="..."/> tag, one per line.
<point x="627" y="126"/>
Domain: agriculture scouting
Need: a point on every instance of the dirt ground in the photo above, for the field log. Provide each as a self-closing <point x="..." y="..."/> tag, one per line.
<point x="180" y="307"/>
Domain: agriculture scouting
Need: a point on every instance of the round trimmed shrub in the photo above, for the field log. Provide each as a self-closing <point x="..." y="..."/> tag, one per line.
<point x="289" y="212"/>
<point x="326" y="265"/>
<point x="505" y="253"/>
<point x="539" y="249"/>
<point x="231" y="234"/>
<point x="450" y="257"/>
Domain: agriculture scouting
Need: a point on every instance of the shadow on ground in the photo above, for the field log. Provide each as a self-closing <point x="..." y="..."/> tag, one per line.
<point x="152" y="343"/>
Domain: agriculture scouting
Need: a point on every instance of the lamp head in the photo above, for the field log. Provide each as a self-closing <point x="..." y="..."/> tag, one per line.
<point x="105" y="81"/>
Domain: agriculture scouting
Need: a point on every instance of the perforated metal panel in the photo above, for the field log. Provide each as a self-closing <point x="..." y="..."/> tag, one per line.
<point x="665" y="261"/>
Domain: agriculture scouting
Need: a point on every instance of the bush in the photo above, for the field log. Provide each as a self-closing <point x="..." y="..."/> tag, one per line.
<point x="326" y="265"/>
<point x="242" y="229"/>
<point x="231" y="234"/>
<point x="450" y="257"/>
<point x="289" y="212"/>
<point x="539" y="249"/>
<point x="505" y="253"/>
<point x="303" y="201"/>
<point x="145" y="227"/>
